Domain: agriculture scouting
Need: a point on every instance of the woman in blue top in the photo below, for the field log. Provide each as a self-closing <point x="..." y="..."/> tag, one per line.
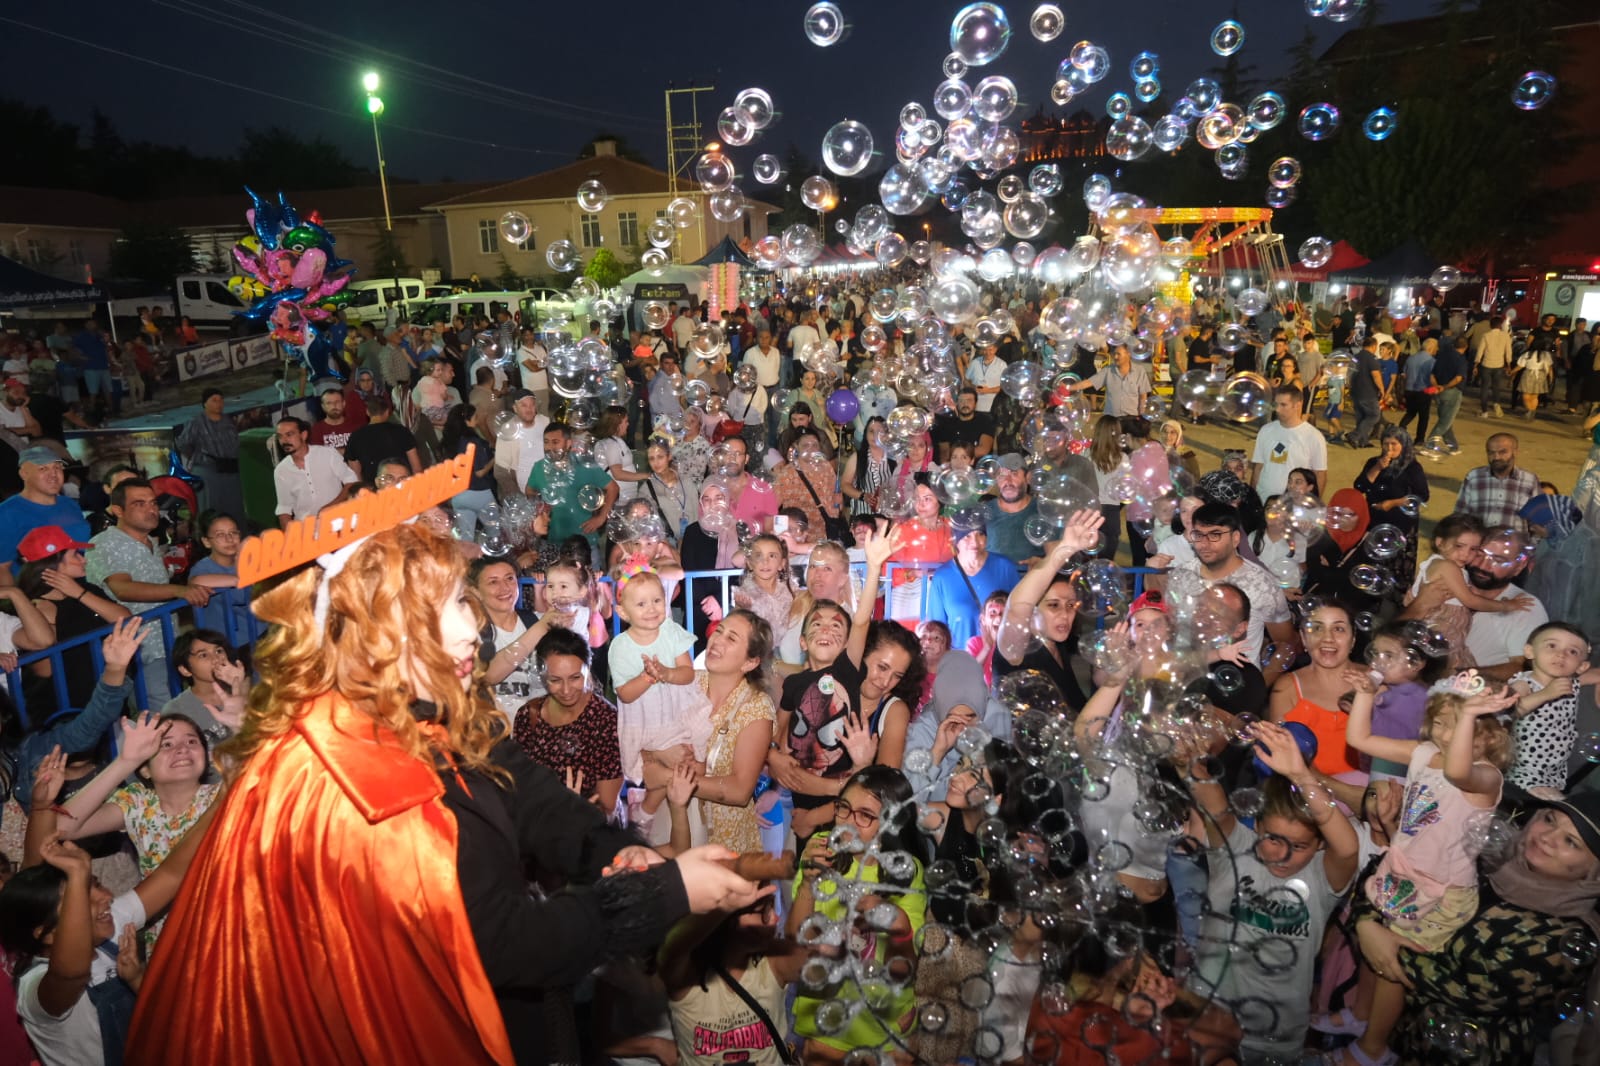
<point x="228" y="612"/>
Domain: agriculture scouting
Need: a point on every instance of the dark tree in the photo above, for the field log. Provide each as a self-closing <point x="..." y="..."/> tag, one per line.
<point x="151" y="252"/>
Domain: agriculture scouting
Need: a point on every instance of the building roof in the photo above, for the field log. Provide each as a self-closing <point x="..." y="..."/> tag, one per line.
<point x="1388" y="39"/>
<point x="621" y="177"/>
<point x="334" y="205"/>
<point x="61" y="207"/>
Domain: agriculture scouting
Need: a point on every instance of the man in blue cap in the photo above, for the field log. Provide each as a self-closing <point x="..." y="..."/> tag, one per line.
<point x="40" y="503"/>
<point x="958" y="588"/>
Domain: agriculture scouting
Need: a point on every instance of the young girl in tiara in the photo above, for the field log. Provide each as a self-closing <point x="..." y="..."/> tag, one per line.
<point x="1426" y="886"/>
<point x="659" y="707"/>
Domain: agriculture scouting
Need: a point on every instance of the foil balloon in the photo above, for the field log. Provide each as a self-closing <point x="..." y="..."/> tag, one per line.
<point x="294" y="282"/>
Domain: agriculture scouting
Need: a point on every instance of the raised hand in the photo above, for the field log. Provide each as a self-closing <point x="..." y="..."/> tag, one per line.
<point x="1082" y="533"/>
<point x="48" y="778"/>
<point x="858" y="739"/>
<point x="66" y="856"/>
<point x="230" y="676"/>
<point x="122" y="643"/>
<point x="141" y="738"/>
<point x="1360" y="679"/>
<point x="1495" y="701"/>
<point x="130" y="957"/>
<point x="1282" y="755"/>
<point x="712" y="608"/>
<point x="69" y="587"/>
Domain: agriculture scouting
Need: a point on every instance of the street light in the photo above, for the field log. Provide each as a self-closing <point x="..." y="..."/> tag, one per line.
<point x="369" y="82"/>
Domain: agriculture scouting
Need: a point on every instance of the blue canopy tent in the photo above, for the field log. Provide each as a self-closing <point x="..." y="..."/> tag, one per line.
<point x="22" y="286"/>
<point x="726" y="252"/>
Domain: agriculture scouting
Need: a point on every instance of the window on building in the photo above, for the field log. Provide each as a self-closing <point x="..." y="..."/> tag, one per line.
<point x="589" y="226"/>
<point x="75" y="252"/>
<point x="628" y="229"/>
<point x="35" y="251"/>
<point x="488" y="236"/>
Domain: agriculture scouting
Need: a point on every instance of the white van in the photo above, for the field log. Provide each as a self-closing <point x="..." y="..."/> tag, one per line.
<point x="370" y="300"/>
<point x="205" y="299"/>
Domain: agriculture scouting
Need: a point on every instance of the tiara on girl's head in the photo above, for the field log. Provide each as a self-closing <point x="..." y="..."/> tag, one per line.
<point x="1466" y="683"/>
<point x="632" y="567"/>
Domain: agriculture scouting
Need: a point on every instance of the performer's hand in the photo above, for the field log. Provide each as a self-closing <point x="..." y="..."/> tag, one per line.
<point x="632" y="859"/>
<point x="710" y="885"/>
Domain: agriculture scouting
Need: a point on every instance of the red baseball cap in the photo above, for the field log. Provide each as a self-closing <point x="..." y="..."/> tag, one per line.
<point x="18" y="382"/>
<point x="46" y="541"/>
<point x="1149" y="601"/>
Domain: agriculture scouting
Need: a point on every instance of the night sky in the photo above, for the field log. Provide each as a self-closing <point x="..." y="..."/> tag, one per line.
<point x="481" y="90"/>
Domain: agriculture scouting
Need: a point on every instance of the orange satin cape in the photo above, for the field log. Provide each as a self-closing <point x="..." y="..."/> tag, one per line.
<point x="322" y="921"/>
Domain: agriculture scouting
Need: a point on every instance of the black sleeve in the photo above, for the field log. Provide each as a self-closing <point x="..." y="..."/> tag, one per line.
<point x="555" y="827"/>
<point x="794" y="686"/>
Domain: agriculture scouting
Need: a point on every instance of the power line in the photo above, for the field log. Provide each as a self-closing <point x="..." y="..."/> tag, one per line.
<point x="335" y="46"/>
<point x="275" y="96"/>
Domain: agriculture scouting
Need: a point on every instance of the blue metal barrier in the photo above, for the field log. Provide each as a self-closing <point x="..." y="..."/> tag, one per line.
<point x="243" y="629"/>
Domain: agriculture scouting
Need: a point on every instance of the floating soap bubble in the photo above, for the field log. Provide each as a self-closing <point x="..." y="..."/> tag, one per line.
<point x="757" y="107"/>
<point x="1246" y="398"/>
<point x="1147" y="90"/>
<point x="561" y="256"/>
<point x="1445" y="278"/>
<point x="1128" y="139"/>
<point x="994" y="98"/>
<point x="1384" y="542"/>
<point x="1169" y="133"/>
<point x="801" y="245"/>
<point x="824" y="24"/>
<point x="952" y="99"/>
<point x="847" y="148"/>
<point x="1047" y="22"/>
<point x="1266" y="110"/>
<point x="1251" y="301"/>
<point x="1227" y="38"/>
<point x="767" y="169"/>
<point x="1316" y="252"/>
<point x="979" y="34"/>
<point x="1318" y="122"/>
<point x="683" y="211"/>
<point x="817" y="192"/>
<point x="1283" y="172"/>
<point x="1118" y="105"/>
<point x="1093" y="61"/>
<point x="733" y="127"/>
<point x="1145" y="66"/>
<point x="1533" y="90"/>
<point x="1380" y="123"/>
<point x="714" y="171"/>
<point x="515" y="228"/>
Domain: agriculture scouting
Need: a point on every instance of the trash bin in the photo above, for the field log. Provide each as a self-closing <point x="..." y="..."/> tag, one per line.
<point x="256" y="460"/>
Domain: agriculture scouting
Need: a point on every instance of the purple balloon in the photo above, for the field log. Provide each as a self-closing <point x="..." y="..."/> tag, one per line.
<point x="843" y="405"/>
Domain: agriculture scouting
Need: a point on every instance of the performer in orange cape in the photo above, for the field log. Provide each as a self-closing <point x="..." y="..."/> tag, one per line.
<point x="361" y="897"/>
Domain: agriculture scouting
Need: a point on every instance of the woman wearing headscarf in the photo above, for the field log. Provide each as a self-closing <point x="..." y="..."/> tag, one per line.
<point x="709" y="543"/>
<point x="1345" y="523"/>
<point x="1396" y="487"/>
<point x="1178" y="454"/>
<point x="1520" y="973"/>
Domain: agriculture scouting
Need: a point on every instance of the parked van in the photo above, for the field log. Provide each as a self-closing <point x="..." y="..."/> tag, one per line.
<point x="370" y="300"/>
<point x="467" y="305"/>
<point x="205" y="299"/>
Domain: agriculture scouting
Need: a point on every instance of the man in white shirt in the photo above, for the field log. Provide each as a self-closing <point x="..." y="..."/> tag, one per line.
<point x="532" y="361"/>
<point x="983" y="374"/>
<point x="766" y="359"/>
<point x="1287" y="444"/>
<point x="683" y="331"/>
<point x="1493" y="360"/>
<point x="520" y="445"/>
<point x="310" y="476"/>
<point x="801" y="337"/>
<point x="1496" y="641"/>
<point x="14" y="413"/>
<point x="1215" y="534"/>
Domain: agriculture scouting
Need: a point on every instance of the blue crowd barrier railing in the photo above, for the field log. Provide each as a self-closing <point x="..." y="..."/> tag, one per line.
<point x="242" y="629"/>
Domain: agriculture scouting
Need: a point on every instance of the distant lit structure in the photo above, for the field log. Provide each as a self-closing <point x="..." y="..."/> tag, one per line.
<point x="1045" y="138"/>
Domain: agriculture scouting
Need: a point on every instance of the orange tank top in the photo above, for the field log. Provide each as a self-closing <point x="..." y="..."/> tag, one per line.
<point x="1334" y="755"/>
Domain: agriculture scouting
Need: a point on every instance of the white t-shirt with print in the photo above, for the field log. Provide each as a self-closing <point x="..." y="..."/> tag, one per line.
<point x="74" y="1037"/>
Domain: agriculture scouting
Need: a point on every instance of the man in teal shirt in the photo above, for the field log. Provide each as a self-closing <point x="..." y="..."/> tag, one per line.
<point x="567" y="515"/>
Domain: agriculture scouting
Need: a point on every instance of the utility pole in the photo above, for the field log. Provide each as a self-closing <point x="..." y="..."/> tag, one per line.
<point x="684" y="147"/>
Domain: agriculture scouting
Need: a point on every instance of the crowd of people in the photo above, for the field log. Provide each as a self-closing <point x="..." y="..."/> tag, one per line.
<point x="750" y="703"/>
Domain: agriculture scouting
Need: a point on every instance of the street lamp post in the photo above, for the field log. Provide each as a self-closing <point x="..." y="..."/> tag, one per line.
<point x="369" y="82"/>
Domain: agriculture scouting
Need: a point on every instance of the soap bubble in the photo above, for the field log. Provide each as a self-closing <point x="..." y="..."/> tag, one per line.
<point x="994" y="98"/>
<point x="824" y="24"/>
<point x="1047" y="22"/>
<point x="1246" y="398"/>
<point x="1045" y="179"/>
<point x="1370" y="579"/>
<point x="767" y="169"/>
<point x="1380" y="123"/>
<point x="1384" y="542"/>
<point x="1145" y="66"/>
<point x="1092" y="60"/>
<point x="1316" y="252"/>
<point x="561" y="256"/>
<point x="682" y="211"/>
<point x="1251" y="301"/>
<point x="979" y="34"/>
<point x="1266" y="110"/>
<point x="1128" y="138"/>
<point x="1533" y="90"/>
<point x="847" y="148"/>
<point x="1445" y="278"/>
<point x="515" y="228"/>
<point x="1318" y="122"/>
<point x="1204" y="94"/>
<point x="1118" y="105"/>
<point x="952" y="99"/>
<point x="714" y="171"/>
<point x="817" y="192"/>
<point x="733" y="127"/>
<point x="1227" y="38"/>
<point x="660" y="233"/>
<point x="1283" y="172"/>
<point x="757" y="107"/>
<point x="1147" y="90"/>
<point x="592" y="196"/>
<point x="1169" y="133"/>
<point x="801" y="245"/>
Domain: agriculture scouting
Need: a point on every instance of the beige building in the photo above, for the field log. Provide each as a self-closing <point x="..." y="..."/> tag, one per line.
<point x="638" y="194"/>
<point x="60" y="232"/>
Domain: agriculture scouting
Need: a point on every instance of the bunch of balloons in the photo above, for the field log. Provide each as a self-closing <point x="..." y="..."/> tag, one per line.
<point x="293" y="281"/>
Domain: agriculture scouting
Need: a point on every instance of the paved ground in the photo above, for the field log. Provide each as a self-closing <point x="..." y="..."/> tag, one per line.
<point x="1552" y="446"/>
